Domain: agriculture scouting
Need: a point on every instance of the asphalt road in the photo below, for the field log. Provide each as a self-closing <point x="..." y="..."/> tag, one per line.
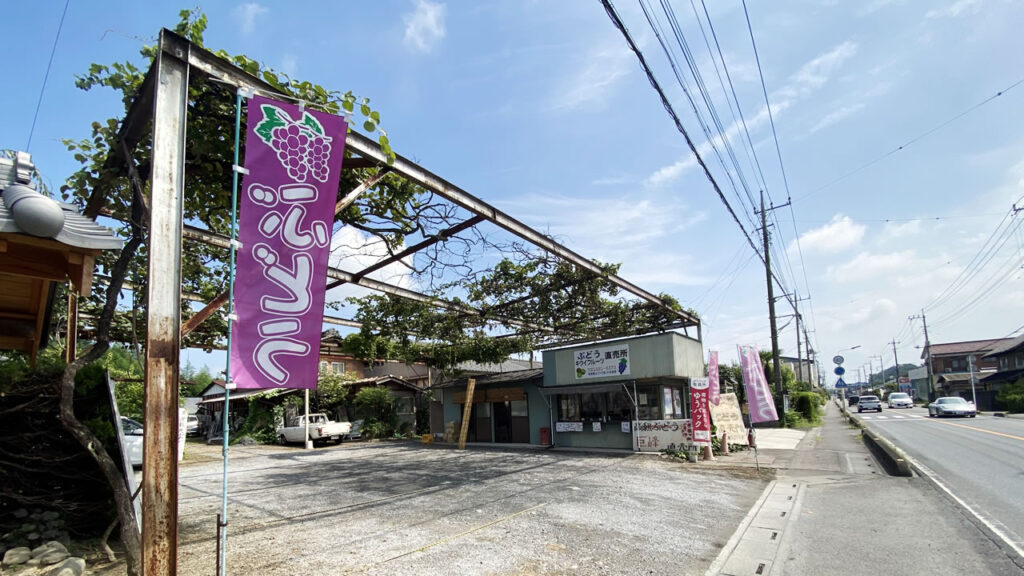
<point x="385" y="508"/>
<point x="981" y="460"/>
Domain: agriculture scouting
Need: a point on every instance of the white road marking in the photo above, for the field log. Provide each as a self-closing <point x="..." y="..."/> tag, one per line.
<point x="935" y="479"/>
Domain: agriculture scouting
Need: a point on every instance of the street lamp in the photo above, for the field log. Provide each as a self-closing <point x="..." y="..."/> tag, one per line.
<point x="838" y="359"/>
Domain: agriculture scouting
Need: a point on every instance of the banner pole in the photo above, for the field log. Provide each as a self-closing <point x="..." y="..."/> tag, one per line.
<point x="222" y="520"/>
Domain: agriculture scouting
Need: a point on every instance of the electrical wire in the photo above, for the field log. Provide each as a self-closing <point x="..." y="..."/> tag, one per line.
<point x="49" y="65"/>
<point x="915" y="139"/>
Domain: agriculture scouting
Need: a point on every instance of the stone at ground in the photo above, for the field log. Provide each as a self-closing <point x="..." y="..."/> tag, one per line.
<point x="53" y="545"/>
<point x="69" y="567"/>
<point x="18" y="555"/>
<point x="53" y="557"/>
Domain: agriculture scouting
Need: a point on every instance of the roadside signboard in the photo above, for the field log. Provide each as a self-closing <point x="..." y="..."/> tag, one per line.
<point x="837" y="359"/>
<point x="841" y="383"/>
<point x="839" y="370"/>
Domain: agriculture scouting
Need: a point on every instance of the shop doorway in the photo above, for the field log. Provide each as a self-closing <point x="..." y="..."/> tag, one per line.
<point x="511" y="422"/>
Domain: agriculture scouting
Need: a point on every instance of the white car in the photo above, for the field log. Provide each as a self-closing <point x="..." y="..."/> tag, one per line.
<point x="132" y="440"/>
<point x="900" y="400"/>
<point x="192" y="425"/>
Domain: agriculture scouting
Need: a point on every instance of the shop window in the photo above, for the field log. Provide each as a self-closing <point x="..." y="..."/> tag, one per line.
<point x="674" y="405"/>
<point x="403" y="405"/>
<point x="648" y="403"/>
<point x="483" y="409"/>
<point x="569" y="407"/>
<point x="592" y="407"/>
<point x="519" y="408"/>
<point x="620" y="407"/>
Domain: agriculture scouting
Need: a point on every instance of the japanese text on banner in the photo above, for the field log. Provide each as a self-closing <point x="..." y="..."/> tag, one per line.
<point x="286" y="214"/>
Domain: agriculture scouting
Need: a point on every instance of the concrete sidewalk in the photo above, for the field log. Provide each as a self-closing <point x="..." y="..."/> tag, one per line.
<point x="833" y="510"/>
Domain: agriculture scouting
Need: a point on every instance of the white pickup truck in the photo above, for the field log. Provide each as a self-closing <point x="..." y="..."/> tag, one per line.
<point x="321" y="430"/>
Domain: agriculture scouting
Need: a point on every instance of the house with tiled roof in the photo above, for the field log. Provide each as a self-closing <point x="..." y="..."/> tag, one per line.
<point x="955" y="373"/>
<point x="1009" y="358"/>
<point x="43" y="243"/>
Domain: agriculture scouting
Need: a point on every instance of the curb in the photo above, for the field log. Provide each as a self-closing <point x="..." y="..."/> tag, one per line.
<point x="915" y="468"/>
<point x="896" y="458"/>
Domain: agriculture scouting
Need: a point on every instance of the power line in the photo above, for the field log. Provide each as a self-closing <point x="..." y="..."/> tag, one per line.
<point x="675" y="118"/>
<point x="42" y="90"/>
<point x="916" y="138"/>
<point x="782" y="166"/>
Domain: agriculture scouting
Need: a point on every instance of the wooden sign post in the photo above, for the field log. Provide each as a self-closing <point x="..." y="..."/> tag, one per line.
<point x="466" y="408"/>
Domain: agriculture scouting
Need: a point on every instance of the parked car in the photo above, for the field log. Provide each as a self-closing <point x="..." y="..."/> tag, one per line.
<point x="900" y="400"/>
<point x="952" y="406"/>
<point x="869" y="403"/>
<point x="132" y="440"/>
<point x="852" y="400"/>
<point x="321" y="430"/>
<point x="192" y="425"/>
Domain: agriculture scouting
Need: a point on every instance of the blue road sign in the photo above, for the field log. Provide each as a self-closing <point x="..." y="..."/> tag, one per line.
<point x="840" y="383"/>
<point x="839" y="370"/>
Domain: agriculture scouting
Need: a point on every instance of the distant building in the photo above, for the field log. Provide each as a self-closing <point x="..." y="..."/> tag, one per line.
<point x="951" y="367"/>
<point x="804" y="369"/>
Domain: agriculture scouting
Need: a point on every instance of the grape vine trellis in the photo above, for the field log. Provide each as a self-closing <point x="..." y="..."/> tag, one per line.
<point x="539" y="292"/>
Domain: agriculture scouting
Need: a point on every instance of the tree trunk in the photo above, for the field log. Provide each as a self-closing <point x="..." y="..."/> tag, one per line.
<point x="130" y="537"/>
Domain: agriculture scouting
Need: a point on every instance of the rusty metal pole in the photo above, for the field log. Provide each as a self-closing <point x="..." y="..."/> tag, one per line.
<point x="160" y="458"/>
<point x="71" y="350"/>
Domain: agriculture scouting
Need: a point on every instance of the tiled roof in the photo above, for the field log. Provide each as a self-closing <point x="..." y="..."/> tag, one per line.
<point x="78" y="230"/>
<point x="1008" y="345"/>
<point x="503" y="377"/>
<point x="973" y="346"/>
<point x="509" y="365"/>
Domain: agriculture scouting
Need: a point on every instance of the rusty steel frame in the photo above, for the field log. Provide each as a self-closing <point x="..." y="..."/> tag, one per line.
<point x="160" y="410"/>
<point x="163" y="97"/>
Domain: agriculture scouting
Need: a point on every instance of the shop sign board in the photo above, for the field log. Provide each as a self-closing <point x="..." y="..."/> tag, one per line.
<point x="568" y="426"/>
<point x="699" y="411"/>
<point x="728" y="419"/>
<point x="602" y="361"/>
<point x="658" y="435"/>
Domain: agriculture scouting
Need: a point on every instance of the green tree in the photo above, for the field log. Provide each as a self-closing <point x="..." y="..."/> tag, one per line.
<point x="376" y="405"/>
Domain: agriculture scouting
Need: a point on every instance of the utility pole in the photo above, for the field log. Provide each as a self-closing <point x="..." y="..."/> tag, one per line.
<point x="897" y="360"/>
<point x="927" y="356"/>
<point x="777" y="371"/>
<point x="881" y="369"/>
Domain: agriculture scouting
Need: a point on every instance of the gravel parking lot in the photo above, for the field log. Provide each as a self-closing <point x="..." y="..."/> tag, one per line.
<point x="403" y="508"/>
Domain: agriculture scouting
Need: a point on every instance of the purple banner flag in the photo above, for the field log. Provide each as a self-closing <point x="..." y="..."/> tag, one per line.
<point x="714" y="389"/>
<point x="286" y="216"/>
<point x="759" y="397"/>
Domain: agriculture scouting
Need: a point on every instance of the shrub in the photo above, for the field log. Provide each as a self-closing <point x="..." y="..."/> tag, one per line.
<point x="808" y="404"/>
<point x="1011" y="397"/>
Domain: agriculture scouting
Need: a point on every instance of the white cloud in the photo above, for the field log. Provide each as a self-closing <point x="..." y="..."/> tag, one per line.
<point x="592" y="83"/>
<point x="811" y="76"/>
<point x="838" y="235"/>
<point x="247" y="13"/>
<point x="352" y="251"/>
<point x="424" y="26"/>
<point x="837" y="115"/>
<point x="880" y="309"/>
<point x="955" y="9"/>
<point x="867" y="265"/>
<point x="816" y="73"/>
<point x="672" y="171"/>
<point x="902" y="230"/>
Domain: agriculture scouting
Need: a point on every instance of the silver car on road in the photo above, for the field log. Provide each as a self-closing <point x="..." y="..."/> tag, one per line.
<point x="952" y="406"/>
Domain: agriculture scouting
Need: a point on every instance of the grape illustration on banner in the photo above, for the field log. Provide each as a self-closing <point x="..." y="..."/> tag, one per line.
<point x="301" y="146"/>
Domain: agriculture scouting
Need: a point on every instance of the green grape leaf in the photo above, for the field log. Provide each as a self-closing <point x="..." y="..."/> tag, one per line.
<point x="313" y="124"/>
<point x="272" y="118"/>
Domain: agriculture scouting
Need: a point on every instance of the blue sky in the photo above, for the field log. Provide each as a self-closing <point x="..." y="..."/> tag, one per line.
<point x="541" y="109"/>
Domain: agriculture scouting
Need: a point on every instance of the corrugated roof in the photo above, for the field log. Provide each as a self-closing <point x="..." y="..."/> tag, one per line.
<point x="78" y="230"/>
<point x="1008" y="345"/>
<point x="972" y="346"/>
